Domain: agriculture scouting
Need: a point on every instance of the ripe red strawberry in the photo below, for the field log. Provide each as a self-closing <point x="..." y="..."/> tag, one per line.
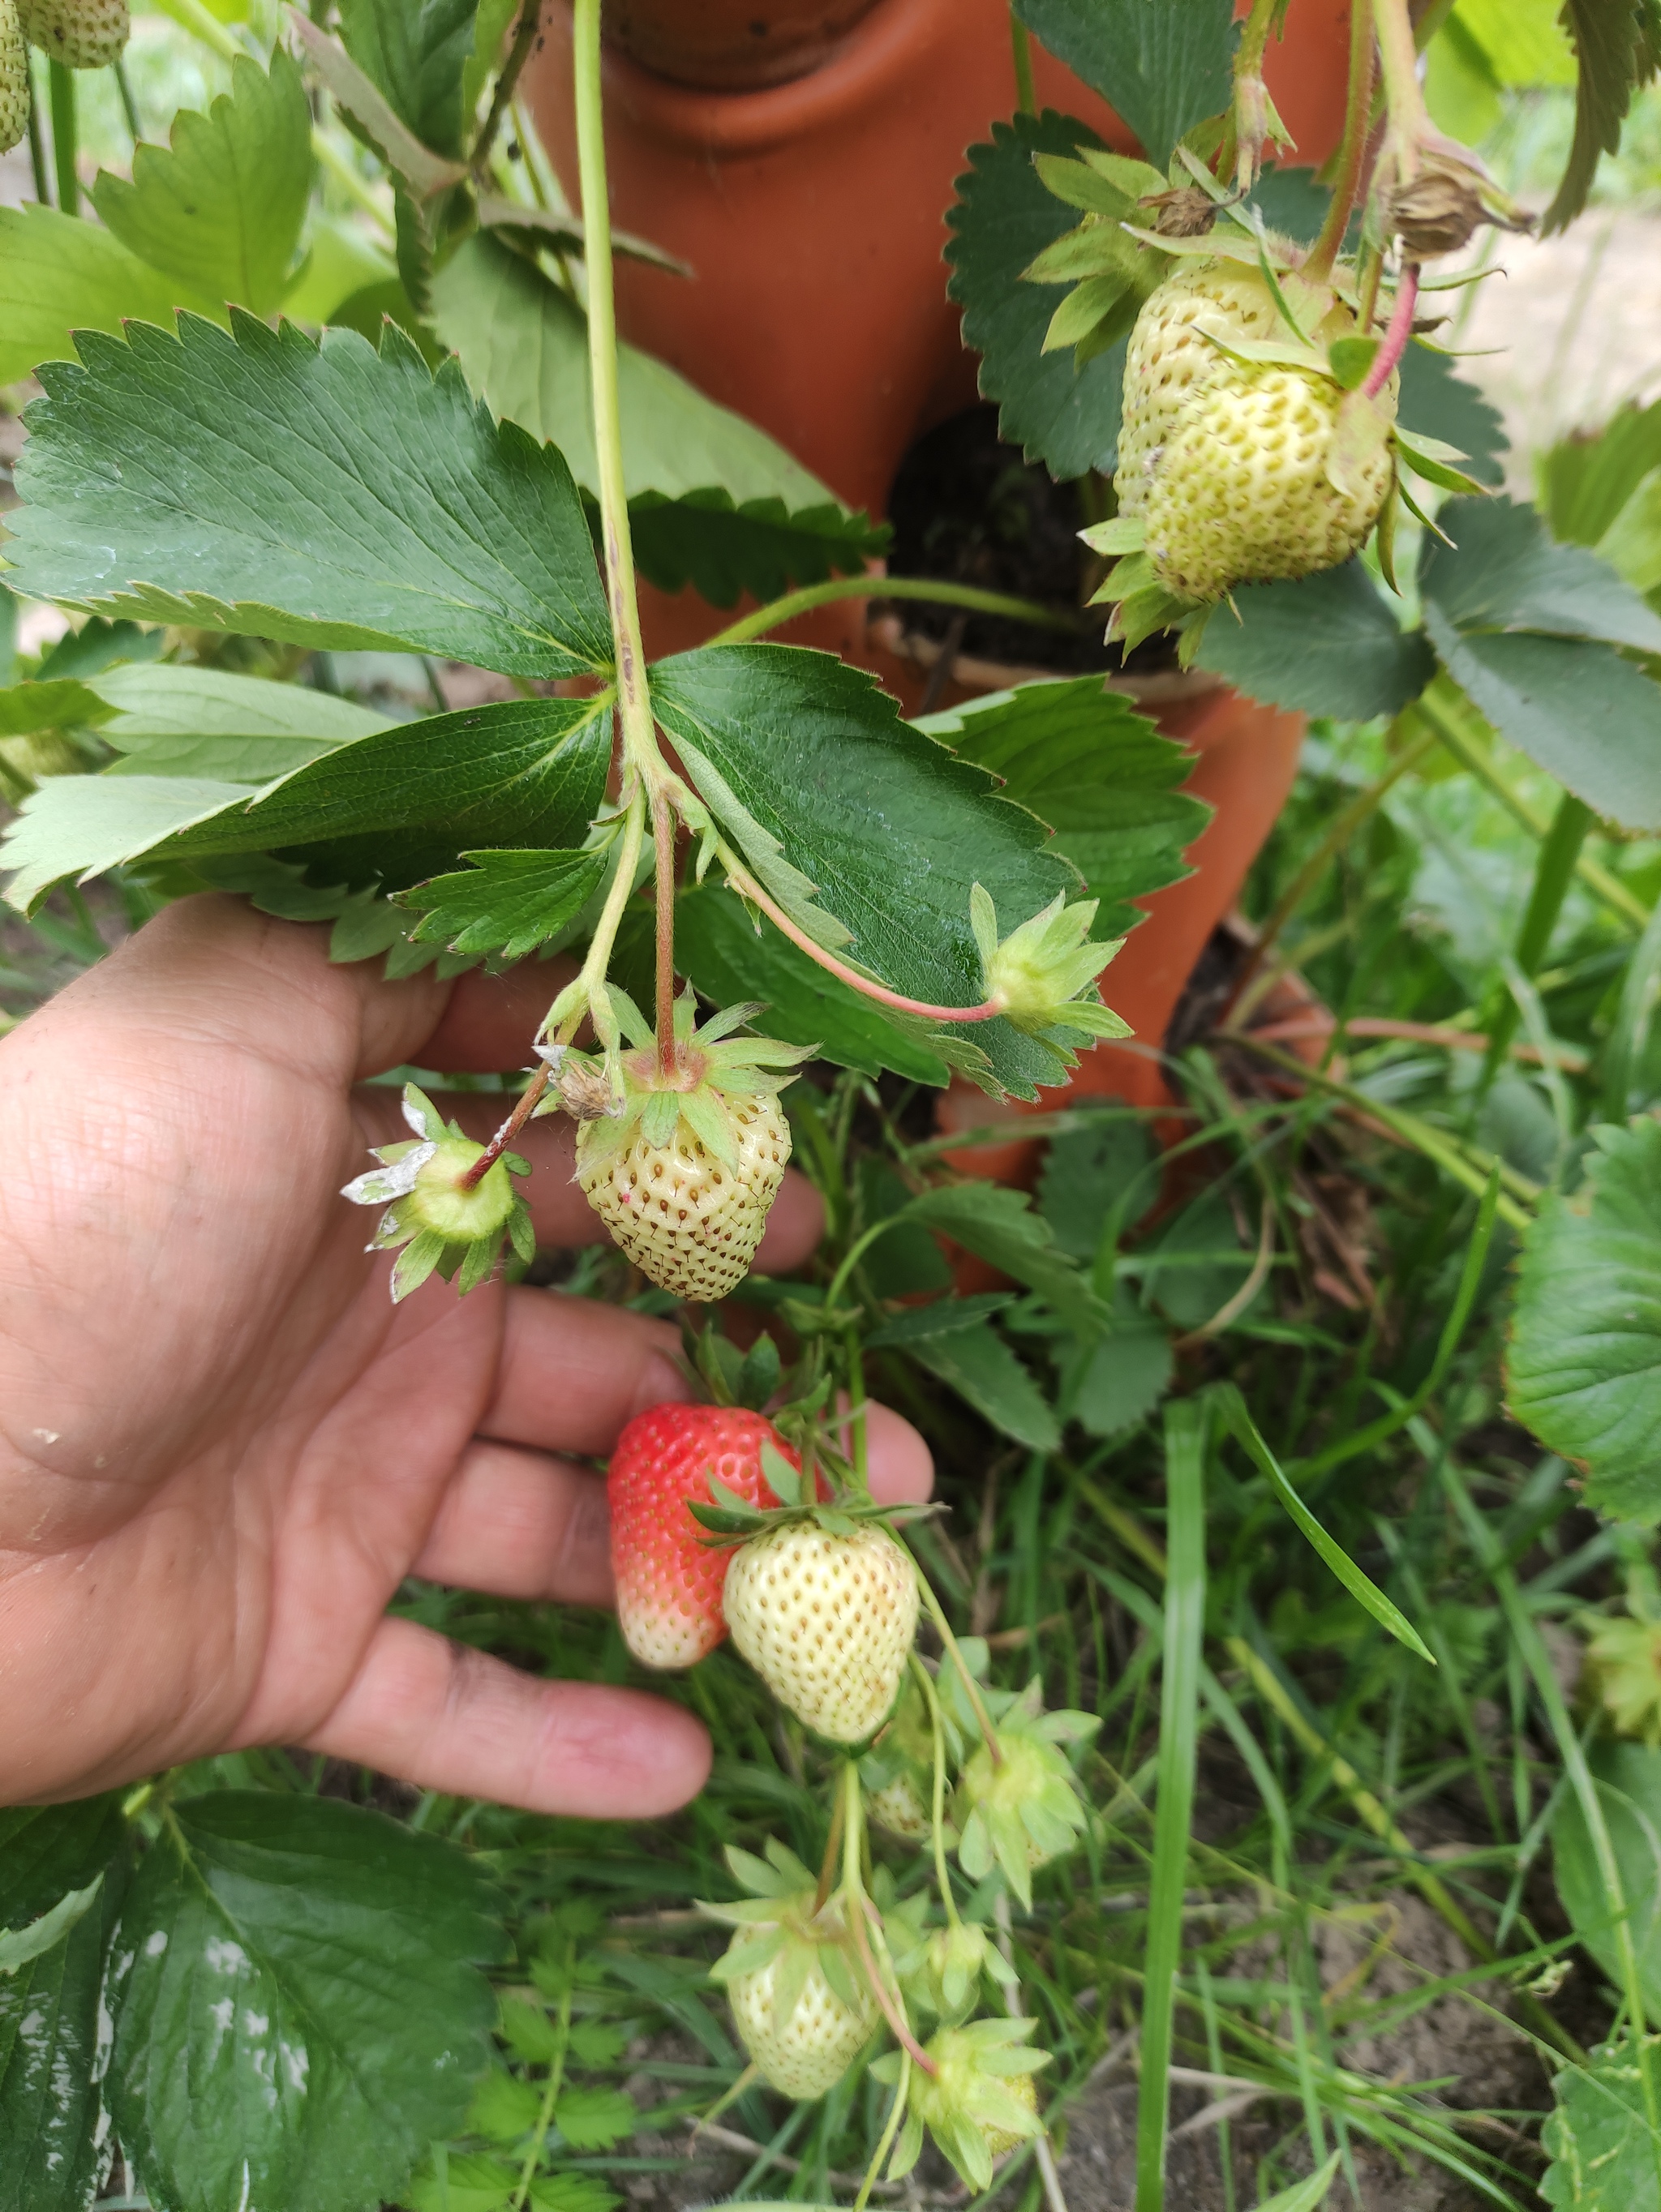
<point x="669" y="1581"/>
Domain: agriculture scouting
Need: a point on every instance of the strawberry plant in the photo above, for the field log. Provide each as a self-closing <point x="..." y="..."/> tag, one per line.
<point x="745" y="860"/>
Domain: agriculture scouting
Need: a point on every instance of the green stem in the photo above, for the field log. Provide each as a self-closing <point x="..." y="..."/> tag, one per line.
<point x="937" y="1718"/>
<point x="1552" y="874"/>
<point x="1352" y="151"/>
<point x="517" y="54"/>
<point x="1398" y="58"/>
<point x="853" y="1906"/>
<point x="891" y="2128"/>
<point x="971" y="1688"/>
<point x="1020" y="45"/>
<point x="1184" y="1638"/>
<point x="556" y="2082"/>
<point x="932" y="588"/>
<point x="663" y="844"/>
<point x="37" y="143"/>
<point x="128" y="105"/>
<point x="634" y="708"/>
<point x="61" y="81"/>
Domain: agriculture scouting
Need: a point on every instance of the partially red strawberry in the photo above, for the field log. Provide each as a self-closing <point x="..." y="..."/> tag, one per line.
<point x="669" y="1579"/>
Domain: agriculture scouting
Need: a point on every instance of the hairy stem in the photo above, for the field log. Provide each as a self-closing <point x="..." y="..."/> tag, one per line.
<point x="518" y="54"/>
<point x="891" y="2128"/>
<point x="1397" y="334"/>
<point x="663" y="840"/>
<point x="854" y="1905"/>
<point x="760" y="620"/>
<point x="1021" y="46"/>
<point x="1398" y="58"/>
<point x="937" y="1719"/>
<point x="1351" y="152"/>
<point x="746" y="887"/>
<point x="972" y="1688"/>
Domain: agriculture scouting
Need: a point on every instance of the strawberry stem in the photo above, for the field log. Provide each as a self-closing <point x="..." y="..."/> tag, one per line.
<point x="971" y="1688"/>
<point x="1351" y="152"/>
<point x="856" y="1904"/>
<point x="663" y="841"/>
<point x="890" y="2127"/>
<point x="1397" y="335"/>
<point x="938" y="1808"/>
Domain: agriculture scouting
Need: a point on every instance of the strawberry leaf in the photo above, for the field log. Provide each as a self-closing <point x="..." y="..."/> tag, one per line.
<point x="1164" y="69"/>
<point x="58" y="275"/>
<point x="1617" y="46"/>
<point x="507" y="902"/>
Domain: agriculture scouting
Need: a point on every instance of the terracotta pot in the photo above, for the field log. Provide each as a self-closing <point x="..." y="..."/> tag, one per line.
<point x="730" y="46"/>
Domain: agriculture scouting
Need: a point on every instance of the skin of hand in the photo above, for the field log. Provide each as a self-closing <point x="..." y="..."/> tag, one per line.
<point x="221" y="1446"/>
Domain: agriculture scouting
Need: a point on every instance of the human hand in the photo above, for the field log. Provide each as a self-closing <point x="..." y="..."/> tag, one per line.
<point x="223" y="1448"/>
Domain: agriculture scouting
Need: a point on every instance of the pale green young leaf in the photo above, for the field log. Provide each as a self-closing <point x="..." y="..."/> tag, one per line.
<point x="714" y="502"/>
<point x="265" y="484"/>
<point x="58" y="275"/>
<point x="505" y="902"/>
<point x="58" y="704"/>
<point x="1583" y="1367"/>
<point x="220" y="212"/>
<point x="1586" y="482"/>
<point x="170" y="720"/>
<point x="1003" y="219"/>
<point x="1165" y="68"/>
<point x="594" y="2120"/>
<point x="1627" y="1779"/>
<point x="298" y="2005"/>
<point x="77" y="826"/>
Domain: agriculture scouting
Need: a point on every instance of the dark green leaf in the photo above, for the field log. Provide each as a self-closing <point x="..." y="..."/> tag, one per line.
<point x="1000" y="1227"/>
<point x="1617" y="45"/>
<point x="1197" y="1265"/>
<point x="1095" y="1177"/>
<point x="399" y="804"/>
<point x="1004" y="217"/>
<point x="1164" y="67"/>
<point x="298" y="2008"/>
<point x="1437" y="402"/>
<point x="1099" y="774"/>
<point x="1598" y="2137"/>
<point x="417" y="170"/>
<point x="1327" y="644"/>
<point x="907" y="1259"/>
<point x="1504" y="572"/>
<point x="713" y="501"/>
<point x="1588" y="717"/>
<point x="58" y="274"/>
<point x="1627" y="1777"/>
<point x="1584" y="1367"/>
<point x="415" y="50"/>
<point x="1127" y="1374"/>
<point x="944" y="1317"/>
<point x="46" y="1850"/>
<point x="1586" y="481"/>
<point x="720" y="950"/>
<point x="222" y="212"/>
<point x="594" y="2120"/>
<point x="891" y="827"/>
<point x="264" y="484"/>
<point x="54" y="2148"/>
<point x="985" y="1373"/>
<point x="98" y="645"/>
<point x="506" y="903"/>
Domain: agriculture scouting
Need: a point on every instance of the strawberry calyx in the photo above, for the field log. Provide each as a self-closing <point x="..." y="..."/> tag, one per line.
<point x="731" y="1520"/>
<point x="437" y="1218"/>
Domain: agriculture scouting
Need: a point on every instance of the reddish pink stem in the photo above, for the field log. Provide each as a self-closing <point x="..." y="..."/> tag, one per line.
<point x="509" y="1129"/>
<point x="891" y="2011"/>
<point x="746" y="887"/>
<point x="1397" y="336"/>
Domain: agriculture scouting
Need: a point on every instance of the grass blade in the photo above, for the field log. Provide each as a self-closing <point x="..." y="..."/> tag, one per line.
<point x="1184" y="1635"/>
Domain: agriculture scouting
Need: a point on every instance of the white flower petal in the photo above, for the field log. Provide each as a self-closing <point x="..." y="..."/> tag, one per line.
<point x="380" y="1185"/>
<point x="553" y="1054"/>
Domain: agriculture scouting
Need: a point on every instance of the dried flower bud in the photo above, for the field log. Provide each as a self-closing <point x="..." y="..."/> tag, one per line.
<point x="1184" y="212"/>
<point x="1437" y="210"/>
<point x="586" y="1091"/>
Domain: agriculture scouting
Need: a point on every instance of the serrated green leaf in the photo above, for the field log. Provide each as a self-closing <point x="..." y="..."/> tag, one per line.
<point x="465" y="2181"/>
<point x="1003" y="219"/>
<point x="1164" y="68"/>
<point x="1627" y="1776"/>
<point x="594" y="2120"/>
<point x="1099" y="774"/>
<point x="942" y="1317"/>
<point x="1125" y="1376"/>
<point x="1327" y="644"/>
<point x="326" y="495"/>
<point x="80" y="825"/>
<point x="1504" y="572"/>
<point x="1583" y="1365"/>
<point x="714" y="502"/>
<point x="1588" y="717"/>
<point x="59" y="274"/>
<point x="1000" y="1227"/>
<point x="976" y="1363"/>
<point x="206" y="722"/>
<point x="220" y="212"/>
<point x="48" y="1851"/>
<point x="891" y="828"/>
<point x="506" y="903"/>
<point x="415" y="51"/>
<point x="1094" y="1176"/>
<point x="1599" y="2135"/>
<point x="1618" y="47"/>
<point x="52" y="2125"/>
<point x="298" y="2008"/>
<point x="1437" y="402"/>
<point x="1585" y="481"/>
<point x="504" y="2109"/>
<point x="64" y="704"/>
<point x="420" y="174"/>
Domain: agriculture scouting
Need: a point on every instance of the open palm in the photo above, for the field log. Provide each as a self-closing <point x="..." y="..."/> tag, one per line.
<point x="222" y="1447"/>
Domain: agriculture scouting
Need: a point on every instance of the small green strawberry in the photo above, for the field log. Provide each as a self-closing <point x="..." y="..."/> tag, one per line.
<point x="684" y="1174"/>
<point x="980" y="2100"/>
<point x="826" y="1621"/>
<point x="1022" y="1810"/>
<point x="13" y="79"/>
<point x="799" y="1998"/>
<point x="435" y="1218"/>
<point x="82" y="34"/>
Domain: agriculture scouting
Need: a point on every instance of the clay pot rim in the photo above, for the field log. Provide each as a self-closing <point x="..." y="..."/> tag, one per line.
<point x="923" y="652"/>
<point x="871" y="62"/>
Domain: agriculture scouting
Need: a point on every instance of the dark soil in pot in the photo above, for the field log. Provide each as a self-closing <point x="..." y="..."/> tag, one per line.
<point x="968" y="506"/>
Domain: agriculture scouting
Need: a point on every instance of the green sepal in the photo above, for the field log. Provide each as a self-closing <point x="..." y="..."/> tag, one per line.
<point x="416" y="1262"/>
<point x="908" y="2149"/>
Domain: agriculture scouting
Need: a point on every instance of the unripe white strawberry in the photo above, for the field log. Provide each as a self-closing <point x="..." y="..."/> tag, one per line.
<point x="685" y="1173"/>
<point x="1168" y="356"/>
<point x="82" y="34"/>
<point x="826" y="1621"/>
<point x="977" y="2102"/>
<point x="805" y="2051"/>
<point x="13" y="79"/>
<point x="1242" y="493"/>
<point x="800" y="2000"/>
<point x="898" y="1807"/>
